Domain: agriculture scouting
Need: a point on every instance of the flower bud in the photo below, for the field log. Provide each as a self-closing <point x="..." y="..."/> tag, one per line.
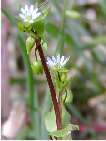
<point x="37" y="67"/>
<point x="29" y="43"/>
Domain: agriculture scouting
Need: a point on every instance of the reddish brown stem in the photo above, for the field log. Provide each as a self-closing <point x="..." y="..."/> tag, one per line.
<point x="50" y="83"/>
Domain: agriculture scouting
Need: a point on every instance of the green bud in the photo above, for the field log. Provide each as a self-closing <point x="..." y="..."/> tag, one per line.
<point x="37" y="67"/>
<point x="21" y="26"/>
<point x="29" y="43"/>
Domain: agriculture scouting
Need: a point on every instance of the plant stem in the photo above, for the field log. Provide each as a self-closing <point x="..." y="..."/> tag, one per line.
<point x="32" y="99"/>
<point x="30" y="82"/>
<point x="51" y="86"/>
<point x="60" y="44"/>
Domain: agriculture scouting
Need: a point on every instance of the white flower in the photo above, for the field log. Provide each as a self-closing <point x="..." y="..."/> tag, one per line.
<point x="15" y="121"/>
<point x="57" y="61"/>
<point x="29" y="13"/>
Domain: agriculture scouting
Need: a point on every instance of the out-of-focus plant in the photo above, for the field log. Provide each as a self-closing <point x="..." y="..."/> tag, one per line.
<point x="32" y="21"/>
<point x="79" y="35"/>
<point x="57" y="119"/>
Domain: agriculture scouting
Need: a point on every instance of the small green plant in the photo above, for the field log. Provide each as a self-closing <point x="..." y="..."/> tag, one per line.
<point x="57" y="119"/>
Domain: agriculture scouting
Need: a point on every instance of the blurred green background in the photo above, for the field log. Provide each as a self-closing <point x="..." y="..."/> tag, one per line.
<point x="75" y="28"/>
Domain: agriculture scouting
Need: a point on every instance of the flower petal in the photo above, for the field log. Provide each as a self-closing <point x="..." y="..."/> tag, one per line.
<point x="62" y="59"/>
<point x="34" y="16"/>
<point x="58" y="58"/>
<point x="31" y="9"/>
<point x="22" y="16"/>
<point x="65" y="61"/>
<point x="23" y="11"/>
<point x="26" y="8"/>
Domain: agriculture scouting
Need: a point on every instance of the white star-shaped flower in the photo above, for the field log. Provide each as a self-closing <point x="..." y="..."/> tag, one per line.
<point x="29" y="13"/>
<point x="58" y="61"/>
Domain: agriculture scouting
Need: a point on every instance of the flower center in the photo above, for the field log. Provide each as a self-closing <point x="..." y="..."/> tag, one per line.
<point x="28" y="18"/>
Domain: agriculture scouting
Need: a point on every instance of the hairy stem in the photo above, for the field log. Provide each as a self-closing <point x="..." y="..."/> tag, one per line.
<point x="51" y="86"/>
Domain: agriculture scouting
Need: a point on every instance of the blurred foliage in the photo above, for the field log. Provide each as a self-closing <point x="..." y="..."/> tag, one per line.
<point x="81" y="38"/>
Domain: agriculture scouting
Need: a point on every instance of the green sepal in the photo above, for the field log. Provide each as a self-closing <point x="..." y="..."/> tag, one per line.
<point x="60" y="69"/>
<point x="38" y="27"/>
<point x="63" y="84"/>
<point x="27" y="25"/>
<point x="21" y="26"/>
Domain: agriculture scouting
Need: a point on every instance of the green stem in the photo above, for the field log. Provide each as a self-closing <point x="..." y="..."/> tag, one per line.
<point x="32" y="99"/>
<point x="60" y="45"/>
<point x="30" y="82"/>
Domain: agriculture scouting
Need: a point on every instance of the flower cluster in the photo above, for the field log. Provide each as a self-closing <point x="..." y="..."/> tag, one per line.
<point x="29" y="14"/>
<point x="58" y="61"/>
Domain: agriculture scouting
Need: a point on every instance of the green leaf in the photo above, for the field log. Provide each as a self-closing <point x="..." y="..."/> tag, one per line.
<point x="50" y="121"/>
<point x="64" y="132"/>
<point x="65" y="117"/>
